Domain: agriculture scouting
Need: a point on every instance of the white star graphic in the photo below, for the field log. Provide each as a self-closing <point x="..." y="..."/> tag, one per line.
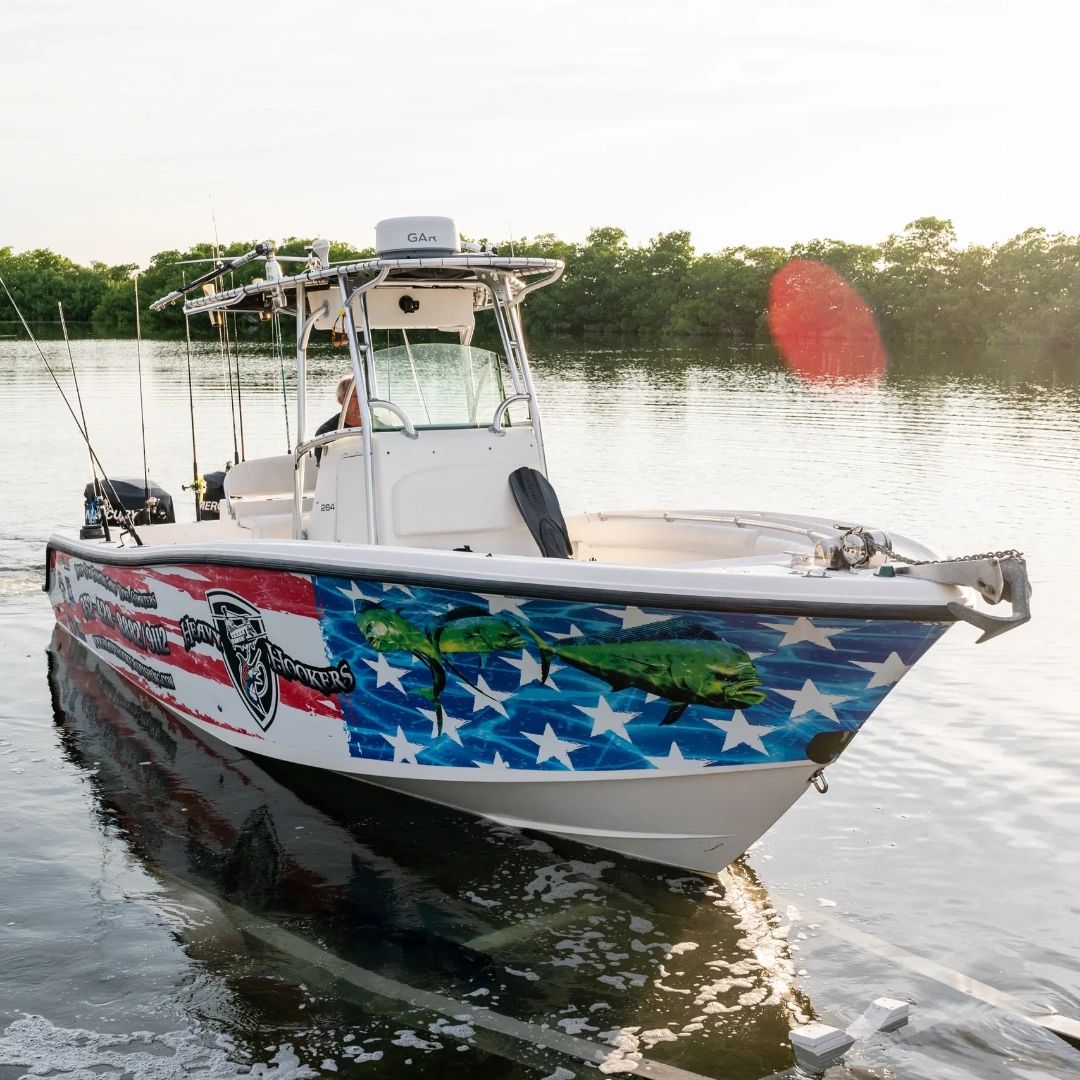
<point x="634" y="616"/>
<point x="486" y="698"/>
<point x="496" y="763"/>
<point x="805" y="630"/>
<point x="503" y="603"/>
<point x="675" y="762"/>
<point x="574" y="631"/>
<point x="651" y="697"/>
<point x="353" y="592"/>
<point x="450" y="725"/>
<point x="549" y="746"/>
<point x="388" y="585"/>
<point x="403" y="749"/>
<point x="889" y="671"/>
<point x="386" y="673"/>
<point x="530" y="668"/>
<point x="811" y="699"/>
<point x="605" y="718"/>
<point x="737" y="732"/>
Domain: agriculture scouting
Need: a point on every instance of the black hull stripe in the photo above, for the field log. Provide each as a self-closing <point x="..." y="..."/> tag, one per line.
<point x="158" y="556"/>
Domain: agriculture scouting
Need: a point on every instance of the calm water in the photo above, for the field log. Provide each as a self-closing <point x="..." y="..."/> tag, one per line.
<point x="171" y="908"/>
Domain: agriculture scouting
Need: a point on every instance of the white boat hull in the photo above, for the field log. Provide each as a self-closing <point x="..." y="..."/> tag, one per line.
<point x="659" y="713"/>
<point x="699" y="821"/>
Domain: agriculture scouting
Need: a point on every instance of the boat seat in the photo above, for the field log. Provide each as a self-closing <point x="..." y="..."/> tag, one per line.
<point x="270" y="526"/>
<point x="262" y="486"/>
<point x="449" y="488"/>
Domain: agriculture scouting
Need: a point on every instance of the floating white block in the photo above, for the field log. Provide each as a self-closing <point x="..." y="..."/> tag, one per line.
<point x="894" y="1013"/>
<point x="883" y="1014"/>
<point x="819" y="1044"/>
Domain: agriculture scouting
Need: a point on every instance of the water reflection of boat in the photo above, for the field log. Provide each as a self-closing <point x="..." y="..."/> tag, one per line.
<point x="262" y="858"/>
<point x="414" y="611"/>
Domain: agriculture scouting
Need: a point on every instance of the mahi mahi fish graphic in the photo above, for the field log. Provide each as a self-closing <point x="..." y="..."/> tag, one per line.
<point x="463" y="630"/>
<point x="388" y="632"/>
<point x="677" y="659"/>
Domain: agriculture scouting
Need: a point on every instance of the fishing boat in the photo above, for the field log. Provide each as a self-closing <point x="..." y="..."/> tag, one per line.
<point x="402" y="599"/>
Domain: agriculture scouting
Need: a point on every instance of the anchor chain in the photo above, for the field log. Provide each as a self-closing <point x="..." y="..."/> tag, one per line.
<point x="882" y="544"/>
<point x="1008" y="553"/>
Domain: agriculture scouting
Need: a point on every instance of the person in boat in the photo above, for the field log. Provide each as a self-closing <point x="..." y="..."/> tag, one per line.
<point x="352" y="413"/>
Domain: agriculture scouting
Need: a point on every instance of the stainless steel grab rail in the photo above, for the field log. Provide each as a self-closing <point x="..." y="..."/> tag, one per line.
<point x="496" y="423"/>
<point x="399" y="412"/>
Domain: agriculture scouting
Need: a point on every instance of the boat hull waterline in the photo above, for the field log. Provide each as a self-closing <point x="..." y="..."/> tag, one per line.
<point x="671" y="734"/>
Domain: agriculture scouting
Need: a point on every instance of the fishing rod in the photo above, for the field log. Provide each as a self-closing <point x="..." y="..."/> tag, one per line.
<point x="226" y="362"/>
<point x="281" y="368"/>
<point x="82" y="413"/>
<point x="198" y="488"/>
<point x="118" y="504"/>
<point x="142" y="411"/>
<point x="239" y="392"/>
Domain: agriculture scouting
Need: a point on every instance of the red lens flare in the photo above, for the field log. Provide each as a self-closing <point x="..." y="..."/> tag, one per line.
<point x="823" y="328"/>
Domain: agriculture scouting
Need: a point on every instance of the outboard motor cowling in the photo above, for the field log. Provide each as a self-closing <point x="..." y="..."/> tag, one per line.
<point x="213" y="495"/>
<point x="131" y="496"/>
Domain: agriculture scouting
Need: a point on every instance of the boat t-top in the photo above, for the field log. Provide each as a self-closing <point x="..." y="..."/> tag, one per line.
<point x="404" y="600"/>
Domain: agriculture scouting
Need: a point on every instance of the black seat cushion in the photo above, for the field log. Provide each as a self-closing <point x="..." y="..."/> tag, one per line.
<point x="539" y="507"/>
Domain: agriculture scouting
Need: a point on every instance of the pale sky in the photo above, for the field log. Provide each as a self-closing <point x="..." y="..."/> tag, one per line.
<point x="757" y="122"/>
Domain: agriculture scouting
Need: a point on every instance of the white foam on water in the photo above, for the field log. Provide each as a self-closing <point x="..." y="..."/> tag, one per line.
<point x="442" y="1026"/>
<point x="470" y="895"/>
<point x="408" y="1037"/>
<point x="36" y="1044"/>
<point x="682" y="947"/>
<point x="523" y="973"/>
<point x="575" y="1025"/>
<point x="657" y="1035"/>
<point x="357" y="1055"/>
<point x="561" y="881"/>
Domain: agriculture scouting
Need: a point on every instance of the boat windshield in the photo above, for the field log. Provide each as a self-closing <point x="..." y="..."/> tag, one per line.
<point x="439" y="385"/>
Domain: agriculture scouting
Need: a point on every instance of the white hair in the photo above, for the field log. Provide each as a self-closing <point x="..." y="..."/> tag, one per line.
<point x="343" y="387"/>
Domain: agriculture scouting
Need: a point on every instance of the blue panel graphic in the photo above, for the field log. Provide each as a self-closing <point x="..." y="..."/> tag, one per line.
<point x="476" y="681"/>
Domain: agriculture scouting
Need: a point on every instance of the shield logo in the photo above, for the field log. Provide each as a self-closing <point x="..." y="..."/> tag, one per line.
<point x="242" y="635"/>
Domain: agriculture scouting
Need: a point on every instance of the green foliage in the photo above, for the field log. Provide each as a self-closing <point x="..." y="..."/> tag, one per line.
<point x="921" y="285"/>
<point x="39" y="280"/>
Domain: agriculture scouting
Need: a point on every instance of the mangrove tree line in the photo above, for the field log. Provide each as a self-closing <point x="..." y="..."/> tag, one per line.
<point x="920" y="283"/>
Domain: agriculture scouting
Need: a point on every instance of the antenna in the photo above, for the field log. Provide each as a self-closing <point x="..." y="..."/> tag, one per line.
<point x="221" y="267"/>
<point x="239" y="392"/>
<point x="142" y="410"/>
<point x="281" y="367"/>
<point x="226" y="366"/>
<point x="191" y="408"/>
<point x="213" y="221"/>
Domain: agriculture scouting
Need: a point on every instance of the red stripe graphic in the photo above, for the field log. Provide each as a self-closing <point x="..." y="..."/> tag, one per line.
<point x="269" y="590"/>
<point x="290" y="592"/>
